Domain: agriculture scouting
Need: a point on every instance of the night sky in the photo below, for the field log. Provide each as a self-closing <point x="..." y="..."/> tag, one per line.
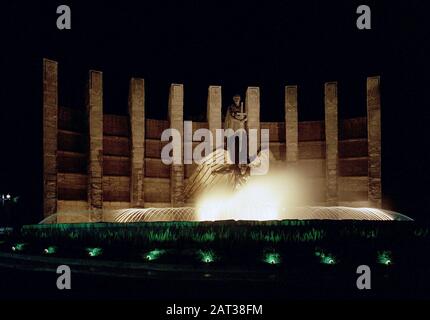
<point x="202" y="43"/>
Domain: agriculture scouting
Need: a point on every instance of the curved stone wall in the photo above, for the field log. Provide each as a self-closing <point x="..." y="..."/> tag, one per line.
<point x="344" y="170"/>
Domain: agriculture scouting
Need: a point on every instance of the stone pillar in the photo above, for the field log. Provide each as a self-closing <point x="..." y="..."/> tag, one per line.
<point x="252" y="109"/>
<point x="136" y="109"/>
<point x="95" y="159"/>
<point x="214" y="111"/>
<point x="374" y="141"/>
<point x="331" y="138"/>
<point x="50" y="128"/>
<point x="176" y="119"/>
<point x="291" y="125"/>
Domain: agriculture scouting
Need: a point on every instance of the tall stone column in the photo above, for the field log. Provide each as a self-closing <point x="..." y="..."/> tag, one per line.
<point x="252" y="109"/>
<point x="291" y="125"/>
<point x="374" y="141"/>
<point x="50" y="128"/>
<point x="176" y="118"/>
<point x="136" y="108"/>
<point x="331" y="138"/>
<point x="95" y="159"/>
<point x="214" y="111"/>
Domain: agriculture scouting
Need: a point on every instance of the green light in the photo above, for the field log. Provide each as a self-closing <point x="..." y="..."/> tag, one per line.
<point x="272" y="258"/>
<point x="19" y="247"/>
<point x="94" y="252"/>
<point x="206" y="256"/>
<point x="50" y="250"/>
<point x="325" y="258"/>
<point x="154" y="254"/>
<point x="328" y="259"/>
<point x="384" y="257"/>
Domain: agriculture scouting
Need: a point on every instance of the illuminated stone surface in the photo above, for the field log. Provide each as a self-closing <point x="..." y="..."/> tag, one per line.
<point x="374" y="141"/>
<point x="331" y="138"/>
<point x="50" y="131"/>
<point x="137" y="127"/>
<point x="291" y="125"/>
<point x="176" y="118"/>
<point x="95" y="166"/>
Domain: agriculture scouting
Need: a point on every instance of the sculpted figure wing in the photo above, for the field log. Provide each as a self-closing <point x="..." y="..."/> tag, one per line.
<point x="213" y="171"/>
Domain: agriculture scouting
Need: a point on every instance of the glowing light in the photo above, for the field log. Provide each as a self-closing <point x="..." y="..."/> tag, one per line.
<point x="328" y="260"/>
<point x="206" y="256"/>
<point x="262" y="198"/>
<point x="154" y="254"/>
<point x="252" y="202"/>
<point x="94" y="252"/>
<point x="384" y="257"/>
<point x="325" y="258"/>
<point x="272" y="258"/>
<point x="19" y="247"/>
<point x="8" y="197"/>
<point x="50" y="250"/>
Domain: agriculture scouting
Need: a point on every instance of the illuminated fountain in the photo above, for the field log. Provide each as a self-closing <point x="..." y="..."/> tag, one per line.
<point x="299" y="213"/>
<point x="277" y="196"/>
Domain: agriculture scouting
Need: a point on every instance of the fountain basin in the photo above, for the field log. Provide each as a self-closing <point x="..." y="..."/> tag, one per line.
<point x="131" y="215"/>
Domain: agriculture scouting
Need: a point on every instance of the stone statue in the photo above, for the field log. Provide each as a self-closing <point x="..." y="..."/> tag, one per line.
<point x="210" y="173"/>
<point x="235" y="118"/>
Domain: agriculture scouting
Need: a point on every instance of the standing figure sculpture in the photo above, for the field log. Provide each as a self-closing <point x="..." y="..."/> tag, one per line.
<point x="237" y="144"/>
<point x="234" y="168"/>
<point x="235" y="118"/>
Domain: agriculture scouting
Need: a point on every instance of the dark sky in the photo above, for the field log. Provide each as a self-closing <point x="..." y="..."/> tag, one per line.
<point x="199" y="43"/>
